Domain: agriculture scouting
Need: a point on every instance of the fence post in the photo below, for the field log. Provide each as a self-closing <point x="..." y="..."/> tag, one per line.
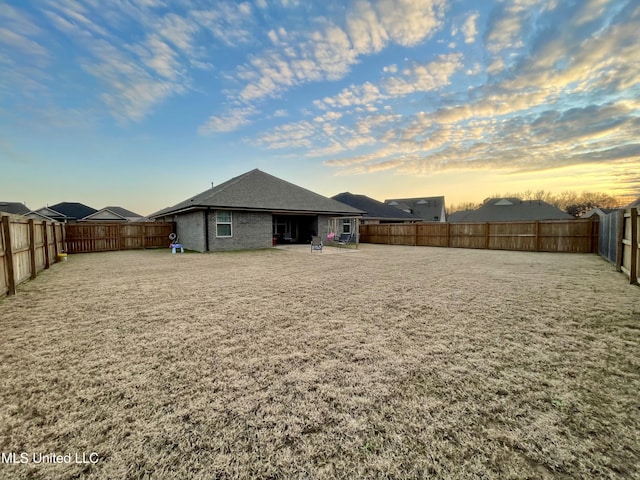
<point x="8" y="255"/>
<point x="63" y="229"/>
<point x="486" y="235"/>
<point x="32" y="248"/>
<point x="448" y="235"/>
<point x="55" y="242"/>
<point x="620" y="242"/>
<point x="633" y="268"/>
<point x="46" y="245"/>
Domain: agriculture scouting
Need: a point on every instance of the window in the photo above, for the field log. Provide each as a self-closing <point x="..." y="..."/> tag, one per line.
<point x="223" y="223"/>
<point x="346" y="226"/>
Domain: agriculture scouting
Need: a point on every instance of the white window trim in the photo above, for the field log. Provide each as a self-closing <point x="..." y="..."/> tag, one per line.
<point x="230" y="223"/>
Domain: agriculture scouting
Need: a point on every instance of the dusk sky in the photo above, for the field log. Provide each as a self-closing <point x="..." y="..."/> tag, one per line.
<point x="144" y="103"/>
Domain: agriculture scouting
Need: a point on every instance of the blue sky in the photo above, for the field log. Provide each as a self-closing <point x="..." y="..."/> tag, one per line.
<point x="143" y="103"/>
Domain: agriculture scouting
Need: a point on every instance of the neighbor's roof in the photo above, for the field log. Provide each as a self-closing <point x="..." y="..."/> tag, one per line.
<point x="458" y="216"/>
<point x="374" y="208"/>
<point x="73" y="210"/>
<point x="123" y="212"/>
<point x="257" y="190"/>
<point x="634" y="204"/>
<point x="514" y="209"/>
<point x="598" y="212"/>
<point x="426" y="208"/>
<point x="16" y="208"/>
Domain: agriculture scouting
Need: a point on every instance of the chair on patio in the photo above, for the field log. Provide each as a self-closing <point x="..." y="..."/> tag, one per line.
<point x="345" y="239"/>
<point x="316" y="244"/>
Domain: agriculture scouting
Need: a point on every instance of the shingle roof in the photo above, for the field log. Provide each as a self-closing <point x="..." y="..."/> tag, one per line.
<point x="257" y="190"/>
<point x="458" y="216"/>
<point x="73" y="210"/>
<point x="374" y="208"/>
<point x="634" y="204"/>
<point x="514" y="209"/>
<point x="15" y="208"/>
<point x="426" y="208"/>
<point x="122" y="211"/>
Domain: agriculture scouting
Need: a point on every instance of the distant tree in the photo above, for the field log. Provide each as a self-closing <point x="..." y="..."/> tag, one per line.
<point x="462" y="206"/>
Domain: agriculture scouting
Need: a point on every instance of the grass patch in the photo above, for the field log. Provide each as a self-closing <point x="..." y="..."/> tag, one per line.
<point x="398" y="362"/>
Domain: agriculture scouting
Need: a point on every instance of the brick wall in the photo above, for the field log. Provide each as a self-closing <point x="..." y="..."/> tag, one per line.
<point x="190" y="229"/>
<point x="250" y="230"/>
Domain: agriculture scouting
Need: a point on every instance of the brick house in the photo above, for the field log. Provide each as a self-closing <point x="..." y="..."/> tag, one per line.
<point x="249" y="212"/>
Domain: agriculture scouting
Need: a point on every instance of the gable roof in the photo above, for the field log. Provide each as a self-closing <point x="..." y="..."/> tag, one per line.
<point x="600" y="212"/>
<point x="16" y="208"/>
<point x="73" y="210"/>
<point x="514" y="209"/>
<point x="113" y="213"/>
<point x="50" y="213"/>
<point x="123" y="212"/>
<point x="257" y="190"/>
<point x="37" y="215"/>
<point x="374" y="208"/>
<point x="426" y="208"/>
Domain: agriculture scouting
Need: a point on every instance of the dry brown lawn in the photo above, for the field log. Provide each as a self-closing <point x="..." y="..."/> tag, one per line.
<point x="388" y="362"/>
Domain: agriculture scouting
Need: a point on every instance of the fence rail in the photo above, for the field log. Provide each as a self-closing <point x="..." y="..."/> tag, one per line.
<point x="580" y="236"/>
<point x="103" y="237"/>
<point x="27" y="246"/>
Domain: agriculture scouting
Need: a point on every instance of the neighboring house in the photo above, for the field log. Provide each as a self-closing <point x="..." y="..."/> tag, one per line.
<point x="14" y="208"/>
<point x="458" y="216"/>
<point x="114" y="214"/>
<point x="39" y="216"/>
<point x="249" y="211"/>
<point x="428" y="209"/>
<point x="598" y="212"/>
<point x="635" y="204"/>
<point x="48" y="213"/>
<point x="68" y="212"/>
<point x="376" y="212"/>
<point x="513" y="210"/>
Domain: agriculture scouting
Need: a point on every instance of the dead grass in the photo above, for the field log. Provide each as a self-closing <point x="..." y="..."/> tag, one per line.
<point x="388" y="362"/>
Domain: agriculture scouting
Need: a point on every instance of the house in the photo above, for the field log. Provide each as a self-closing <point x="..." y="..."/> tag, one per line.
<point x="68" y="212"/>
<point x="376" y="212"/>
<point x="428" y="209"/>
<point x="114" y="214"/>
<point x="39" y="216"/>
<point x="250" y="211"/>
<point x="458" y="216"/>
<point x="634" y="204"/>
<point x="513" y="210"/>
<point x="14" y="208"/>
<point x="598" y="212"/>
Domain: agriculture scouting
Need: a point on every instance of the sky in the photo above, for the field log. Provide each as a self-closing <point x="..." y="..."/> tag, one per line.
<point x="144" y="103"/>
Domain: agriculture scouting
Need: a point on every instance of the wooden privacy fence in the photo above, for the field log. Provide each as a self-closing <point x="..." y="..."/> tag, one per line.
<point x="27" y="246"/>
<point x="103" y="237"/>
<point x="628" y="254"/>
<point x="580" y="236"/>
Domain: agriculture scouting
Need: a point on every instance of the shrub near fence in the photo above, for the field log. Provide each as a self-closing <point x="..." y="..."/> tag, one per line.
<point x="579" y="236"/>
<point x="103" y="237"/>
<point x="27" y="247"/>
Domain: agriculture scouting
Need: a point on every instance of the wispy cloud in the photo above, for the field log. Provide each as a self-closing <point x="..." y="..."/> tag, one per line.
<point x="329" y="50"/>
